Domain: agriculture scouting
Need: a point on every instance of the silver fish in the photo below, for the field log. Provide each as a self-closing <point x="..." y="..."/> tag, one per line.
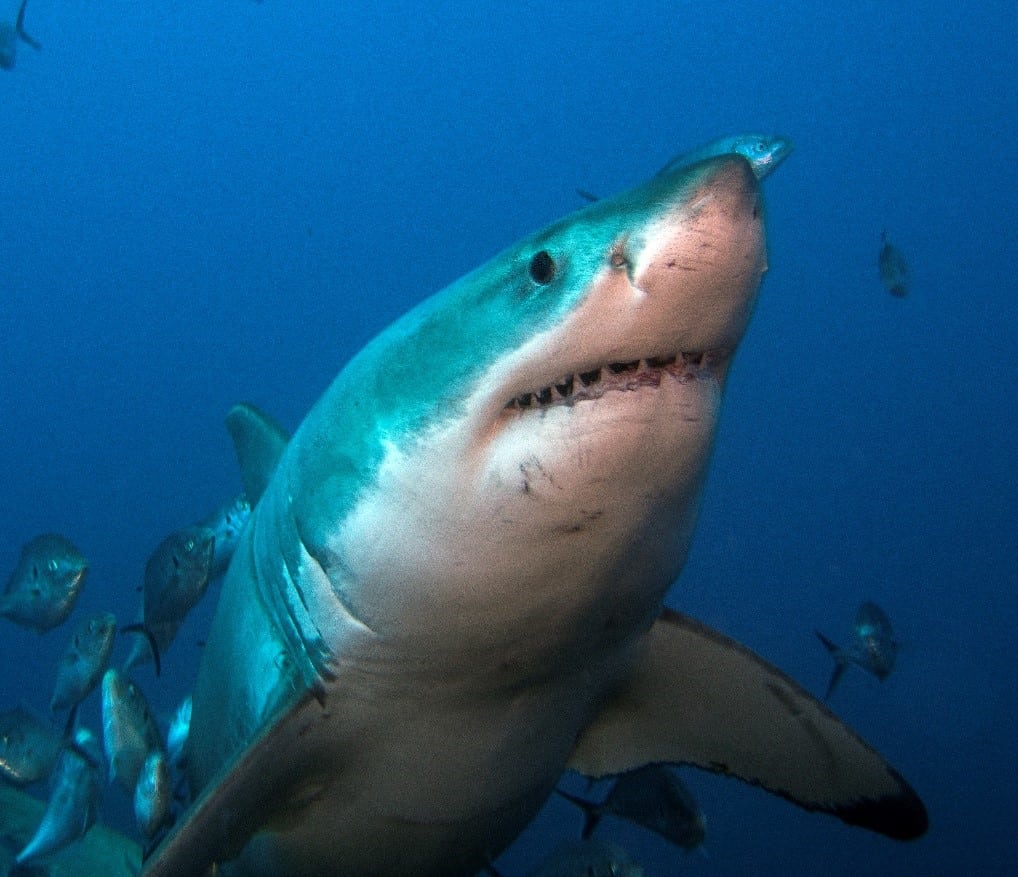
<point x="893" y="268"/>
<point x="226" y="524"/>
<point x="653" y="797"/>
<point x="152" y="794"/>
<point x="42" y="590"/>
<point x="73" y="802"/>
<point x="176" y="578"/>
<point x="102" y="852"/>
<point x="873" y="646"/>
<point x="764" y="152"/>
<point x="129" y="729"/>
<point x="84" y="660"/>
<point x="588" y="858"/>
<point x="28" y="747"/>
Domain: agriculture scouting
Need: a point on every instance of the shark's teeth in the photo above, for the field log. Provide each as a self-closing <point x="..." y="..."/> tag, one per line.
<point x="623" y="375"/>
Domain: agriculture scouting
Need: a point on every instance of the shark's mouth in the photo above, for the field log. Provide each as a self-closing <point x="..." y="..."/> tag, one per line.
<point x="620" y="376"/>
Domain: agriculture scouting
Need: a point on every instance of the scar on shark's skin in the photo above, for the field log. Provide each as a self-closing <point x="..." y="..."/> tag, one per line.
<point x="531" y="469"/>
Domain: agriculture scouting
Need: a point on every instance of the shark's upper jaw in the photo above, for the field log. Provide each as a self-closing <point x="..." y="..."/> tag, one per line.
<point x="634" y="374"/>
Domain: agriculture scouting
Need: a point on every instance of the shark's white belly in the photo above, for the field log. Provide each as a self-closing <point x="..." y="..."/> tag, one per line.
<point x="463" y="666"/>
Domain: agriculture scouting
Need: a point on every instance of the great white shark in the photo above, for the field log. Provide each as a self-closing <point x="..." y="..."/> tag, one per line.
<point x="451" y="588"/>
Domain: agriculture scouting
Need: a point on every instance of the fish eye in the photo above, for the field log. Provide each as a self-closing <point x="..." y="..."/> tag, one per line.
<point x="189" y="545"/>
<point x="542" y="268"/>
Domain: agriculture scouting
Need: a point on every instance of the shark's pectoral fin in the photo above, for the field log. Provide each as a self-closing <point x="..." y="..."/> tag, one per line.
<point x="259" y="441"/>
<point x="697" y="697"/>
<point x="248" y="794"/>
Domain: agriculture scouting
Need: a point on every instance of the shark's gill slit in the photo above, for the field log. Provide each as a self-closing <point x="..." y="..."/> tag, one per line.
<point x="623" y="375"/>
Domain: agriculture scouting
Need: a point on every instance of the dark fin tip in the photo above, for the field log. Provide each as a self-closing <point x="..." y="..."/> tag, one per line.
<point x="145" y="632"/>
<point x="900" y="817"/>
<point x="587" y="196"/>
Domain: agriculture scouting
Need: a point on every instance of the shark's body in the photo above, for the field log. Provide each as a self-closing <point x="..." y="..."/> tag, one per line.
<point x="451" y="587"/>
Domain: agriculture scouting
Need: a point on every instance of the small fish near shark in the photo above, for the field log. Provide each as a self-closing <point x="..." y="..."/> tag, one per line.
<point x="873" y="646"/>
<point x="652" y="796"/>
<point x="764" y="152"/>
<point x="451" y="586"/>
<point x="9" y="36"/>
<point x="176" y="577"/>
<point x="84" y="660"/>
<point x="588" y="858"/>
<point x="100" y="853"/>
<point x="42" y="590"/>
<point x="893" y="268"/>
<point x="74" y="800"/>
<point x="29" y="747"/>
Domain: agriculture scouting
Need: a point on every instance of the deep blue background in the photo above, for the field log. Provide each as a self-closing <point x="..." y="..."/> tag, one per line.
<point x="201" y="204"/>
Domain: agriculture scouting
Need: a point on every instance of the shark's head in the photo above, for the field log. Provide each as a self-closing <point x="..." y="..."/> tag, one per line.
<point x="534" y="437"/>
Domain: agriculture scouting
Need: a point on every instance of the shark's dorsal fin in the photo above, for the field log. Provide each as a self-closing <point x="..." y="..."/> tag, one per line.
<point x="259" y="441"/>
<point x="698" y="697"/>
<point x="20" y="27"/>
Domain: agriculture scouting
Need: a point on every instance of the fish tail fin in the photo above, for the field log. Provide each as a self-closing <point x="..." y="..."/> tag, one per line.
<point x="833" y="648"/>
<point x="591" y="812"/>
<point x="152" y="644"/>
<point x="839" y="664"/>
<point x="839" y="668"/>
<point x="20" y="26"/>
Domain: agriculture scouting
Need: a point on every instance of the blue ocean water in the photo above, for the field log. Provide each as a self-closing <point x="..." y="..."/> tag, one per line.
<point x="208" y="204"/>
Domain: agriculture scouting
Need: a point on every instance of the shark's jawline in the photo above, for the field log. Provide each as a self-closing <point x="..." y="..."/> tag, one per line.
<point x="595" y="382"/>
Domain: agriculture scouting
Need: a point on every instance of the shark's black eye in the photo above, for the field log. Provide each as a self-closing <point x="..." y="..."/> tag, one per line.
<point x="542" y="268"/>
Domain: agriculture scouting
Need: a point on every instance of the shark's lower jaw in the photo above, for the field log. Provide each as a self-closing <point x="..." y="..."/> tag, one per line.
<point x="620" y="377"/>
